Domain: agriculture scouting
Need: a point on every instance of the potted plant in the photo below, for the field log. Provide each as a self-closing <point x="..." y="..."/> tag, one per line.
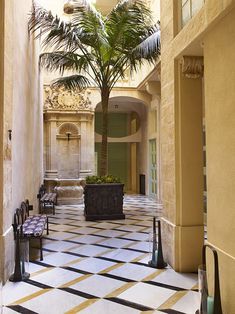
<point x="97" y="49"/>
<point x="103" y="198"/>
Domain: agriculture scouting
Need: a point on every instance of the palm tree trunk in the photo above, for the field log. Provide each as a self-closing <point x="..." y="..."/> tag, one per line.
<point x="104" y="145"/>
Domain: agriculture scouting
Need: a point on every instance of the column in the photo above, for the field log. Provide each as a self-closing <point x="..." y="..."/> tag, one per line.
<point x="86" y="145"/>
<point x="182" y="153"/>
<point x="51" y="170"/>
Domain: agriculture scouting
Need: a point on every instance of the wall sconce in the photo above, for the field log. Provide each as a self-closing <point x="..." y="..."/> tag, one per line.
<point x="69" y="7"/>
<point x="116" y="106"/>
<point x="9" y="134"/>
<point x="68" y="135"/>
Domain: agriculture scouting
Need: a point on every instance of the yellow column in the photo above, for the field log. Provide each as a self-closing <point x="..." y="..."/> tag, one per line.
<point x="181" y="154"/>
<point x="183" y="230"/>
<point x="189" y="174"/>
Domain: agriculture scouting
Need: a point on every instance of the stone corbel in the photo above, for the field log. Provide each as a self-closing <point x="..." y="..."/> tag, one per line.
<point x="153" y="88"/>
<point x="192" y="66"/>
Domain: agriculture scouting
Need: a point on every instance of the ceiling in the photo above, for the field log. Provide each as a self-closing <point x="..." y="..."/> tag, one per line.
<point x="124" y="104"/>
<point x="56" y="6"/>
<point x="105" y="5"/>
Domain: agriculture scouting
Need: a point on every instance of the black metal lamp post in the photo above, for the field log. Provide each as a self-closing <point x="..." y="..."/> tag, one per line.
<point x="157" y="260"/>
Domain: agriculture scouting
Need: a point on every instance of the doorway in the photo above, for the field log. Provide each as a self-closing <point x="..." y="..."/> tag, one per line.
<point x="153" y="168"/>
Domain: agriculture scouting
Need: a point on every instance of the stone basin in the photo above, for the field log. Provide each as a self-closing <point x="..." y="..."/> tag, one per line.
<point x="69" y="191"/>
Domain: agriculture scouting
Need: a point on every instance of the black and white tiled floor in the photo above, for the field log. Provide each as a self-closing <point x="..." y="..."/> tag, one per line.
<point x="101" y="268"/>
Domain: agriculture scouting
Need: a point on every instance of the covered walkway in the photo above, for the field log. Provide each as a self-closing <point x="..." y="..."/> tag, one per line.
<point x="101" y="267"/>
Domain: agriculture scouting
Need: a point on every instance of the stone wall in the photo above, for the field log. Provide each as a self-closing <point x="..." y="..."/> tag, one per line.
<point x="21" y="169"/>
<point x="167" y="126"/>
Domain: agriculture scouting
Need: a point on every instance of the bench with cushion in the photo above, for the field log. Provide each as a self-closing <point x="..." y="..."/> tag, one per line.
<point x="30" y="226"/>
<point x="46" y="200"/>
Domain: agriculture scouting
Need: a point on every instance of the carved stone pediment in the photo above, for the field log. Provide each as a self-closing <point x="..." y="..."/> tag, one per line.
<point x="60" y="98"/>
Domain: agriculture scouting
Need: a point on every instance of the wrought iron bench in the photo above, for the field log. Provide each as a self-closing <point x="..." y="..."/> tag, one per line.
<point x="29" y="226"/>
<point x="46" y="200"/>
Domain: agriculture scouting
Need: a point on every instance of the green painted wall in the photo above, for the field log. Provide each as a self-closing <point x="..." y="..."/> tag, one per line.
<point x="118" y="160"/>
<point x="118" y="153"/>
<point x="118" y="124"/>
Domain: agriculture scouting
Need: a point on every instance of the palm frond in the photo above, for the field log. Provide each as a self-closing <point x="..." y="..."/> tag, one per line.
<point x="126" y="25"/>
<point x="56" y="33"/>
<point x="90" y="8"/>
<point x="130" y="12"/>
<point x="91" y="25"/>
<point x="127" y="5"/>
<point x="60" y="35"/>
<point x="86" y="6"/>
<point x="61" y="61"/>
<point x="105" y="46"/>
<point x="71" y="82"/>
<point x="150" y="47"/>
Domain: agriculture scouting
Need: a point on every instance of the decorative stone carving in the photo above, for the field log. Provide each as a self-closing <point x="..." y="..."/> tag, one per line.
<point x="68" y="127"/>
<point x="60" y="98"/>
<point x="192" y="66"/>
<point x="58" y="123"/>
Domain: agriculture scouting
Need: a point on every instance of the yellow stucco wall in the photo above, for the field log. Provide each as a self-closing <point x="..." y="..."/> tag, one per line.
<point x="6" y="121"/>
<point x="219" y="60"/>
<point x="211" y="34"/>
<point x="22" y="156"/>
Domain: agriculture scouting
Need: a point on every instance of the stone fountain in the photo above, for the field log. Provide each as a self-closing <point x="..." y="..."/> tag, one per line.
<point x="68" y="142"/>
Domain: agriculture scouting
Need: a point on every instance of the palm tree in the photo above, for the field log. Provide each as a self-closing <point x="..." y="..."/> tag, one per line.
<point x="97" y="49"/>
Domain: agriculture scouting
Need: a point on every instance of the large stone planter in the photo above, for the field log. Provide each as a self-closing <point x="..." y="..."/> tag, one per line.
<point x="103" y="201"/>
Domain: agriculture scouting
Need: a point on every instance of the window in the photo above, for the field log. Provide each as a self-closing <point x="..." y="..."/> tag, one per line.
<point x="189" y="8"/>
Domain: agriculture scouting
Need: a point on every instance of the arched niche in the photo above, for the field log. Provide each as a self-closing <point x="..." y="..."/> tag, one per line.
<point x="68" y="151"/>
<point x="68" y="131"/>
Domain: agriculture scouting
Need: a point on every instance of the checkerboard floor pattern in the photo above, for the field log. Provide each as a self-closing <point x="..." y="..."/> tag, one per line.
<point x="101" y="268"/>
